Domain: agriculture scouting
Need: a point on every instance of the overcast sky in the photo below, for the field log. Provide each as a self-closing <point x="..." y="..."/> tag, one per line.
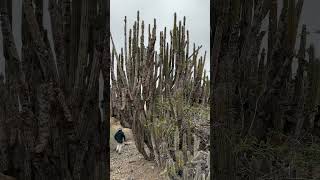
<point x="197" y="14"/>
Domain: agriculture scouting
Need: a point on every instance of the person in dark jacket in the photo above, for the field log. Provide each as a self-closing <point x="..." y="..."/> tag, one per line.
<point x="120" y="138"/>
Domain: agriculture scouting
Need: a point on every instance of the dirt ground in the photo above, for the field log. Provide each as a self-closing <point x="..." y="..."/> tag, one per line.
<point x="130" y="164"/>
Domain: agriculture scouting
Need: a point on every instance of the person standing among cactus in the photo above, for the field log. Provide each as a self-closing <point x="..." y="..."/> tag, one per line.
<point x="120" y="138"/>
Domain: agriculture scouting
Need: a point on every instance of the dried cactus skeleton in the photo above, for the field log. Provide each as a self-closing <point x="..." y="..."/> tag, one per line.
<point x="144" y="79"/>
<point x="255" y="92"/>
<point x="49" y="111"/>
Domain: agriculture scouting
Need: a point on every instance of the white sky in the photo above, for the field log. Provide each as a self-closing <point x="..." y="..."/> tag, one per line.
<point x="197" y="14"/>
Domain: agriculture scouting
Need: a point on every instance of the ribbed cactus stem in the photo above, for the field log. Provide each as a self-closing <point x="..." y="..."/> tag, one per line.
<point x="125" y="38"/>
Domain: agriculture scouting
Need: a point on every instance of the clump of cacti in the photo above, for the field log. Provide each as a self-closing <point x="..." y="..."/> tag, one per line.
<point x="255" y="89"/>
<point x="50" y="124"/>
<point x="144" y="79"/>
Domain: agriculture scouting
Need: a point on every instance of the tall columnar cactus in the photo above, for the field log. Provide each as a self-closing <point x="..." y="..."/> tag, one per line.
<point x="142" y="77"/>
